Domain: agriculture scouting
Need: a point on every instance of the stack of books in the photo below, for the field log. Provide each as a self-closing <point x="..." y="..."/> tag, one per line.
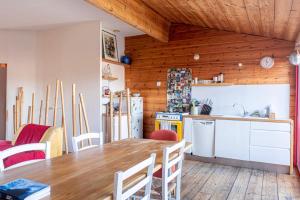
<point x="24" y="189"/>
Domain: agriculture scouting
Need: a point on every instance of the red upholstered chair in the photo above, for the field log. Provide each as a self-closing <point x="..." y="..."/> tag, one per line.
<point x="32" y="134"/>
<point x="163" y="135"/>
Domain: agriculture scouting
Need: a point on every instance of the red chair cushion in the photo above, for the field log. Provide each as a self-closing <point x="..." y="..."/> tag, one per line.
<point x="163" y="135"/>
<point x="4" y="142"/>
<point x="21" y="157"/>
<point x="31" y="133"/>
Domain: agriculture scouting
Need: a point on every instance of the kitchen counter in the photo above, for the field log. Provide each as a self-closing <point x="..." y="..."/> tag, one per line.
<point x="231" y="117"/>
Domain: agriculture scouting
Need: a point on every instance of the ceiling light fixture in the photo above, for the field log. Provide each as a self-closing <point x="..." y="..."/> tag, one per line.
<point x="116" y="31"/>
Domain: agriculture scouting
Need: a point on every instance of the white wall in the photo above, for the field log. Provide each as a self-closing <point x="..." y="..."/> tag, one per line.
<point x="116" y="71"/>
<point x="252" y="97"/>
<point x="72" y="54"/>
<point x="18" y="50"/>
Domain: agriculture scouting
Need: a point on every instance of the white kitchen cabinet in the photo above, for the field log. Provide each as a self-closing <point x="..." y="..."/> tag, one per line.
<point x="232" y="139"/>
<point x="271" y="126"/>
<point x="270" y="155"/>
<point x="275" y="139"/>
<point x="270" y="142"/>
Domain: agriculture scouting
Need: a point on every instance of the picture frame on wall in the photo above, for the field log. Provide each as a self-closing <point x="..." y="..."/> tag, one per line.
<point x="110" y="47"/>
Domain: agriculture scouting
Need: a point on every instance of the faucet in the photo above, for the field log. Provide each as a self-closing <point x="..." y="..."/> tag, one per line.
<point x="245" y="113"/>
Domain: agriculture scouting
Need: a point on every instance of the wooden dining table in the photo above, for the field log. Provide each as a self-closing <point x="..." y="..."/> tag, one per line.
<point x="89" y="174"/>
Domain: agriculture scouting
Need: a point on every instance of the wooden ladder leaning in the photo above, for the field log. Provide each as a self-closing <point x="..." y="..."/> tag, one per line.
<point x="120" y="95"/>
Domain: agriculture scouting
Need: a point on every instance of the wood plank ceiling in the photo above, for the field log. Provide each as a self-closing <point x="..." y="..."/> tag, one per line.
<point x="271" y="18"/>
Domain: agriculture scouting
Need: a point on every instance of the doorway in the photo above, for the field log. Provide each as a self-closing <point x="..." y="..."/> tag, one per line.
<point x="3" y="84"/>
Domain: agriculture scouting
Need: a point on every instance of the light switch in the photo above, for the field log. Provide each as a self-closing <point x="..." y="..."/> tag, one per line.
<point x="158" y="83"/>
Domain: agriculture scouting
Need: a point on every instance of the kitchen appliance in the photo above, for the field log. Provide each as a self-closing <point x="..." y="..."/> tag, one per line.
<point x="203" y="138"/>
<point x="169" y="121"/>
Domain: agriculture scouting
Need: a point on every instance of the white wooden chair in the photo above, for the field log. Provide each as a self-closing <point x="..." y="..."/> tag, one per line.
<point x="45" y="147"/>
<point x="86" y="136"/>
<point x="120" y="177"/>
<point x="167" y="184"/>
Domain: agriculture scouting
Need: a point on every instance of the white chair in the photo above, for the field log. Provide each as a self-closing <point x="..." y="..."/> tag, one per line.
<point x="172" y="157"/>
<point x="45" y="147"/>
<point x="120" y="177"/>
<point x="86" y="136"/>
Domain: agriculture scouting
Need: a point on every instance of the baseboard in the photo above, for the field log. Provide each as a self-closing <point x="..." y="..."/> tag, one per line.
<point x="240" y="163"/>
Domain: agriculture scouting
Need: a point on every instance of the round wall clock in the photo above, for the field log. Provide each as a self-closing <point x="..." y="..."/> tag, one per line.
<point x="267" y="62"/>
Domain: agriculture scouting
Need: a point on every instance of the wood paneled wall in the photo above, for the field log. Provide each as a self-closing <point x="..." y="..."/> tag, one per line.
<point x="220" y="51"/>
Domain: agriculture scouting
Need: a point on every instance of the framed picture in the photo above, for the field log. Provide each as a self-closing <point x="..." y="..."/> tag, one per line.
<point x="110" y="49"/>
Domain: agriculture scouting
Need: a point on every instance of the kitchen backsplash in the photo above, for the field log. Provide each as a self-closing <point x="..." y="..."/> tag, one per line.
<point x="252" y="97"/>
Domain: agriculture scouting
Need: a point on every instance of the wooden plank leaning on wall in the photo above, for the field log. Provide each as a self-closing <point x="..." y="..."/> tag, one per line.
<point x="119" y="94"/>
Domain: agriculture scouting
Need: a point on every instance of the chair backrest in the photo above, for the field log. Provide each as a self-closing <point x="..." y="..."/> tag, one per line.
<point x="164" y="135"/>
<point x="45" y="147"/>
<point x="172" y="156"/>
<point x="86" y="136"/>
<point x="120" y="177"/>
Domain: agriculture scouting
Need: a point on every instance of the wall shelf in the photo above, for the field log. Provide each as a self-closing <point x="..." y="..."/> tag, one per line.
<point x="212" y="84"/>
<point x="109" y="78"/>
<point x="115" y="62"/>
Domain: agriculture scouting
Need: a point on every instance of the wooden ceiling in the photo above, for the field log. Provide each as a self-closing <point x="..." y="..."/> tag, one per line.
<point x="270" y="18"/>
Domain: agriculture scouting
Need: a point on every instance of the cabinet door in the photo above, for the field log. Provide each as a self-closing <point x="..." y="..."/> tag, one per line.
<point x="232" y="139"/>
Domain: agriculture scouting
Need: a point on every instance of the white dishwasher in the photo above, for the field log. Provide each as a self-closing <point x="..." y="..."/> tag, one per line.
<point x="203" y="138"/>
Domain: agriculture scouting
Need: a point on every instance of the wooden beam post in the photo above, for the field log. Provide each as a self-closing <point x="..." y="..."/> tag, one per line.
<point x="47" y="104"/>
<point x="14" y="116"/>
<point x="111" y="115"/>
<point x="32" y="107"/>
<point x="40" y="113"/>
<point x="64" y="117"/>
<point x="29" y="115"/>
<point x="128" y="113"/>
<point x="87" y="127"/>
<point x="137" y="14"/>
<point x="120" y="115"/>
<point x="55" y="103"/>
<point x="17" y="111"/>
<point x="84" y="113"/>
<point x="80" y="121"/>
<point x="21" y="102"/>
<point x="74" y="109"/>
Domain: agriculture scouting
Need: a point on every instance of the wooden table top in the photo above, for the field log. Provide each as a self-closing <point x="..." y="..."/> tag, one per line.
<point x="89" y="174"/>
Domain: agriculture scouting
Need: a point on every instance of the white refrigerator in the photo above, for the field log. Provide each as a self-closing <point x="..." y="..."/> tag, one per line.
<point x="136" y="118"/>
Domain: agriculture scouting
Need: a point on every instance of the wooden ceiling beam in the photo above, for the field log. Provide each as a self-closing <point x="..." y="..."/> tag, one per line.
<point x="137" y="14"/>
